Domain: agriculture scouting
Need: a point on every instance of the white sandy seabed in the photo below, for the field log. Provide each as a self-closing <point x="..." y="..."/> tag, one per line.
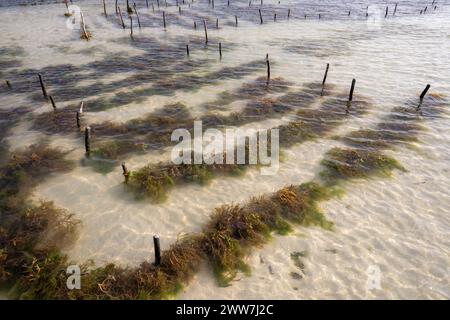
<point x="399" y="225"/>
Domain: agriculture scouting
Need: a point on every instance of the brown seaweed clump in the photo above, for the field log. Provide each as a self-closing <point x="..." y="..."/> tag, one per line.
<point x="345" y="164"/>
<point x="154" y="181"/>
<point x="234" y="229"/>
<point x="57" y="121"/>
<point x="30" y="233"/>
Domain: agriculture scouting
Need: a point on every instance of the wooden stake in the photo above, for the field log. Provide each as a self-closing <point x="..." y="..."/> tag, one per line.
<point x="87" y="140"/>
<point x="395" y="9"/>
<point x="217" y="23"/>
<point x="206" y="32"/>
<point x="125" y="172"/>
<point x="324" y="79"/>
<point x="289" y="13"/>
<point x="268" y="67"/>
<point x="137" y="15"/>
<point x="78" y="120"/>
<point x="352" y="88"/>
<point x="81" y="107"/>
<point x="164" y="19"/>
<point x="104" y="8"/>
<point x="121" y="19"/>
<point x="236" y="19"/>
<point x="424" y="92"/>
<point x="131" y="26"/>
<point x="220" y="50"/>
<point x="44" y="91"/>
<point x="387" y="11"/>
<point x="8" y="84"/>
<point x="260" y="16"/>
<point x="53" y="102"/>
<point x="157" y="251"/>
<point x="274" y="17"/>
<point x="117" y="11"/>
<point x="129" y="10"/>
<point x="83" y="24"/>
<point x="195" y="25"/>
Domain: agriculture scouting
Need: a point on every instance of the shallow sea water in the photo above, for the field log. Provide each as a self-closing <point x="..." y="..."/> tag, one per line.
<point x="401" y="224"/>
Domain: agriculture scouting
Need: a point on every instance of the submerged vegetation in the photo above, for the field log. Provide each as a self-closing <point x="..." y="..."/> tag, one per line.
<point x="345" y="164"/>
<point x="30" y="233"/>
<point x="154" y="181"/>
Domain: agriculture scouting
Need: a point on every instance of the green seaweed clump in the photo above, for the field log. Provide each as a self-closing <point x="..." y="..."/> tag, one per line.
<point x="344" y="164"/>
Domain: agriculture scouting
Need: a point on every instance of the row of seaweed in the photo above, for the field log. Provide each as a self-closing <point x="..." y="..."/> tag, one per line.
<point x="114" y="140"/>
<point x="33" y="266"/>
<point x="154" y="181"/>
<point x="158" y="61"/>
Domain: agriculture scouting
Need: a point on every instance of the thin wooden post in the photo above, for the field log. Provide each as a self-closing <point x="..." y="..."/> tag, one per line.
<point x="187" y="50"/>
<point x="260" y="16"/>
<point x="53" y="102"/>
<point x="268" y="67"/>
<point x="387" y="11"/>
<point x="137" y="15"/>
<point x="78" y="120"/>
<point x="125" y="172"/>
<point x="220" y="50"/>
<point x="236" y="19"/>
<point x="44" y="91"/>
<point x="217" y="23"/>
<point x="164" y="19"/>
<point x="289" y="13"/>
<point x="324" y="79"/>
<point x="121" y="18"/>
<point x="8" y="84"/>
<point x="157" y="246"/>
<point x="206" y="32"/>
<point x="87" y="140"/>
<point x="129" y="10"/>
<point x="395" y="9"/>
<point x="274" y="17"/>
<point x="195" y="25"/>
<point x="117" y="11"/>
<point x="81" y="107"/>
<point x="104" y="8"/>
<point x="352" y="88"/>
<point x="131" y="26"/>
<point x="85" y="33"/>
<point x="422" y="95"/>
